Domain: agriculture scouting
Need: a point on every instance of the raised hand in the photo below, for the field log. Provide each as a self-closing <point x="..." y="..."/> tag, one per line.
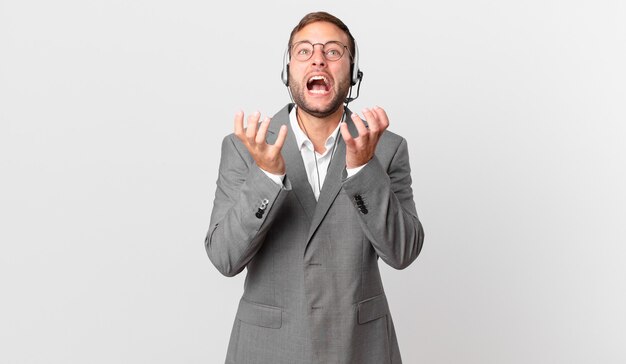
<point x="361" y="149"/>
<point x="266" y="156"/>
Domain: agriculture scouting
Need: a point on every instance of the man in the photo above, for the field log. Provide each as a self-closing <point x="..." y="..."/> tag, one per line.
<point x="308" y="213"/>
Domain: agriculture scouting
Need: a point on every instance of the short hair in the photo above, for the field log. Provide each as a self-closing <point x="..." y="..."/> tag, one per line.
<point x="322" y="16"/>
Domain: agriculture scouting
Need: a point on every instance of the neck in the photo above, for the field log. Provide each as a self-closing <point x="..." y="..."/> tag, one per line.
<point x="318" y="129"/>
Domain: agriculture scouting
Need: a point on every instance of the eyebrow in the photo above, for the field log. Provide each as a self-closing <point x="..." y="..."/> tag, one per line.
<point x="306" y="40"/>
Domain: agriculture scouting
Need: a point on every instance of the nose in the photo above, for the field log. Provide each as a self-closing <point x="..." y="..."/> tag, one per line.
<point x="318" y="58"/>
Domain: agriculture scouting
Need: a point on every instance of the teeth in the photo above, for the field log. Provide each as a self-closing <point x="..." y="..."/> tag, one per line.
<point x="314" y="78"/>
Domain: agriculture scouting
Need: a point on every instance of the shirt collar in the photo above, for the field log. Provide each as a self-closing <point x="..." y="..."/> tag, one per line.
<point x="302" y="140"/>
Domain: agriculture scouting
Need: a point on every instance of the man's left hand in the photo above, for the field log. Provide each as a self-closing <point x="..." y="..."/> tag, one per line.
<point x="361" y="149"/>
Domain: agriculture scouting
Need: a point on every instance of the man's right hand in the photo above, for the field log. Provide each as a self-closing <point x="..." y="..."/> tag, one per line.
<point x="266" y="156"/>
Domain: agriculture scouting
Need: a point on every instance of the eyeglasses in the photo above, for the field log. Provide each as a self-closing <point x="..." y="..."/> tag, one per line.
<point x="303" y="50"/>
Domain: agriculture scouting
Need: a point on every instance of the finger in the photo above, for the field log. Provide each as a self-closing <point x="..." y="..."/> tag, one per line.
<point x="239" y="124"/>
<point x="360" y="126"/>
<point x="252" y="126"/>
<point x="372" y="120"/>
<point x="345" y="134"/>
<point x="260" y="135"/>
<point x="382" y="117"/>
<point x="282" y="135"/>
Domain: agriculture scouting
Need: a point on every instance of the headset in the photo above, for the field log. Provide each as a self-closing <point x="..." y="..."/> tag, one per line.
<point x="357" y="75"/>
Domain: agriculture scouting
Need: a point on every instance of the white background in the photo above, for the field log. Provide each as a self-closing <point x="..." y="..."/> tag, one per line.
<point x="112" y="114"/>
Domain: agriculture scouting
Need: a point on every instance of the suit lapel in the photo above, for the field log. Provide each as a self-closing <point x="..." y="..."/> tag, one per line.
<point x="293" y="162"/>
<point x="333" y="182"/>
<point x="315" y="211"/>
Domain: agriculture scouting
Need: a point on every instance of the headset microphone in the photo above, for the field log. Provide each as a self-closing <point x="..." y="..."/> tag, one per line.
<point x="349" y="99"/>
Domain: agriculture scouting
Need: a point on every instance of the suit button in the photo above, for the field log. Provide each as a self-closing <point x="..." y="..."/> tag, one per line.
<point x="357" y="197"/>
<point x="360" y="203"/>
<point x="364" y="211"/>
<point x="259" y="214"/>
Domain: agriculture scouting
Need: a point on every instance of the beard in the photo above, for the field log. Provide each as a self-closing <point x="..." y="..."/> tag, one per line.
<point x="298" y="93"/>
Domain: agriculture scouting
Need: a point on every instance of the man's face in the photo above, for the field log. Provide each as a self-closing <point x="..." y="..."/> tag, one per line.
<point x="320" y="86"/>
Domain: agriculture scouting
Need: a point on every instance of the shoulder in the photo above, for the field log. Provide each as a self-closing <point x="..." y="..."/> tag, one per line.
<point x="390" y="142"/>
<point x="389" y="147"/>
<point x="234" y="151"/>
<point x="391" y="138"/>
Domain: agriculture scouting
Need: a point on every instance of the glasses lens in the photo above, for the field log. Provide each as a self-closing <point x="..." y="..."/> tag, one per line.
<point x="333" y="50"/>
<point x="302" y="51"/>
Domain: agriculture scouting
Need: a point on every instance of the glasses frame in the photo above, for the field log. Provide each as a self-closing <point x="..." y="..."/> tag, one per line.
<point x="345" y="48"/>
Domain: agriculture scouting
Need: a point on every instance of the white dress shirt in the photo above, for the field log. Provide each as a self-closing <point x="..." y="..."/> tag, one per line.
<point x="309" y="156"/>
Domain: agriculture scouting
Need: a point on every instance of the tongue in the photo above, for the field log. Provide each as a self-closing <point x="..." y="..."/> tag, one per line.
<point x="317" y="85"/>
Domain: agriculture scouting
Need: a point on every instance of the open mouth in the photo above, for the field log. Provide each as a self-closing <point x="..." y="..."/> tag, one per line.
<point x="318" y="85"/>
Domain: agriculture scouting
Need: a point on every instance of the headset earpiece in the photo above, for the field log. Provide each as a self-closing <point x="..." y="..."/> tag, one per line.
<point x="355" y="71"/>
<point x="284" y="75"/>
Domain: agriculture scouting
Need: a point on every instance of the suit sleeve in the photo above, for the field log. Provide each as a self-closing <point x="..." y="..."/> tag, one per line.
<point x="242" y="209"/>
<point x="384" y="200"/>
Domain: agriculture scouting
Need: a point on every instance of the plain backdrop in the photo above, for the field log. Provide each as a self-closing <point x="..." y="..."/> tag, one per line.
<point x="112" y="114"/>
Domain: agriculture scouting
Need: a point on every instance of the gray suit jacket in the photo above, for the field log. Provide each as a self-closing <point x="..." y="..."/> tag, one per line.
<point x="313" y="292"/>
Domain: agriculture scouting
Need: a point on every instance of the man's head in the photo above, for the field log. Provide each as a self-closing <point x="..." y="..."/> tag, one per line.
<point x="325" y="17"/>
<point x="321" y="52"/>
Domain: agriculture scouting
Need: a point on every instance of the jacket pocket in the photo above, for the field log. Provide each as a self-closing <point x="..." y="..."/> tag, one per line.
<point x="372" y="308"/>
<point x="260" y="315"/>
